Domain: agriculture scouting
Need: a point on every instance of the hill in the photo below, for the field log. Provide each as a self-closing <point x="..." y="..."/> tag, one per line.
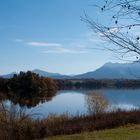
<point x="107" y="71"/>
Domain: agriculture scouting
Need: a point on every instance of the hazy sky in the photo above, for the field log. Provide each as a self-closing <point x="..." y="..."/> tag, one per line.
<point x="49" y="35"/>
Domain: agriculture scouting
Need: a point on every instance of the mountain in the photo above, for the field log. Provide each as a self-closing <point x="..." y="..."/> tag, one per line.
<point x="41" y="73"/>
<point x="114" y="71"/>
<point x="8" y="75"/>
<point x="44" y="73"/>
<point x="51" y="75"/>
<point x="107" y="71"/>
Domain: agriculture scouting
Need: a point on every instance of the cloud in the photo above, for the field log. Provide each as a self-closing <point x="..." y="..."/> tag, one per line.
<point x="80" y="46"/>
<point x="18" y="40"/>
<point x="43" y="44"/>
<point x="57" y="48"/>
<point x="65" y="51"/>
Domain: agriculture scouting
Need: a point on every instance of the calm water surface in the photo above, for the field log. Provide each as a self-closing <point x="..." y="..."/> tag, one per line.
<point x="74" y="101"/>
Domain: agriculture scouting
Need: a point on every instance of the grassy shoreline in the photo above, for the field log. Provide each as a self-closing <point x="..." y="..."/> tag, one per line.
<point x="17" y="126"/>
<point x="128" y="132"/>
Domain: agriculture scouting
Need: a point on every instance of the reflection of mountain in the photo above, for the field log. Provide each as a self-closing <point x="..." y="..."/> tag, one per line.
<point x="107" y="71"/>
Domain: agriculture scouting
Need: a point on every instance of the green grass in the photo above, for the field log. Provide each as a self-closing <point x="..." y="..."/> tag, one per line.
<point x="122" y="133"/>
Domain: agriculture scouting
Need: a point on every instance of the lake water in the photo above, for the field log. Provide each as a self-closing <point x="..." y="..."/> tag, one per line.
<point x="74" y="101"/>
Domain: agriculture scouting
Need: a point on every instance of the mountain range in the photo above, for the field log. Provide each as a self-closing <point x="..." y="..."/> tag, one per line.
<point x="107" y="71"/>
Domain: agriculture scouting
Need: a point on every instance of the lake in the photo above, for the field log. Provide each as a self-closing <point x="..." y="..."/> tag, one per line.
<point x="74" y="101"/>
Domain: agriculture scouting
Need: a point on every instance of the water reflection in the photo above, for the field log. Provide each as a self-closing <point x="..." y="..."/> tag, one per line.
<point x="25" y="101"/>
<point x="122" y="106"/>
<point x="95" y="102"/>
<point x="73" y="101"/>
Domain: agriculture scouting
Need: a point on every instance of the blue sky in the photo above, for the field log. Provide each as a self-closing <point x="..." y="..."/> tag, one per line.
<point x="49" y="35"/>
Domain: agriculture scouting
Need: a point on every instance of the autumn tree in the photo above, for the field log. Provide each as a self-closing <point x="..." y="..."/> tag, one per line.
<point x="29" y="86"/>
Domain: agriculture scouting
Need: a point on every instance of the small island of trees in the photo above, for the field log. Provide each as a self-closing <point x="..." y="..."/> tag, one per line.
<point x="27" y="88"/>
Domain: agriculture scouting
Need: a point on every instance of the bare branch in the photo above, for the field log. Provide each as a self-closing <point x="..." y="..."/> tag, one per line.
<point x="125" y="40"/>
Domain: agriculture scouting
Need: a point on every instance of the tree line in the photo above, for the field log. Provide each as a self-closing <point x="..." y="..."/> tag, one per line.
<point x="93" y="83"/>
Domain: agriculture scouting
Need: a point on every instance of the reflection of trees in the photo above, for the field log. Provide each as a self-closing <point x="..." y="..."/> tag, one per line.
<point x="96" y="102"/>
<point x="24" y="101"/>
